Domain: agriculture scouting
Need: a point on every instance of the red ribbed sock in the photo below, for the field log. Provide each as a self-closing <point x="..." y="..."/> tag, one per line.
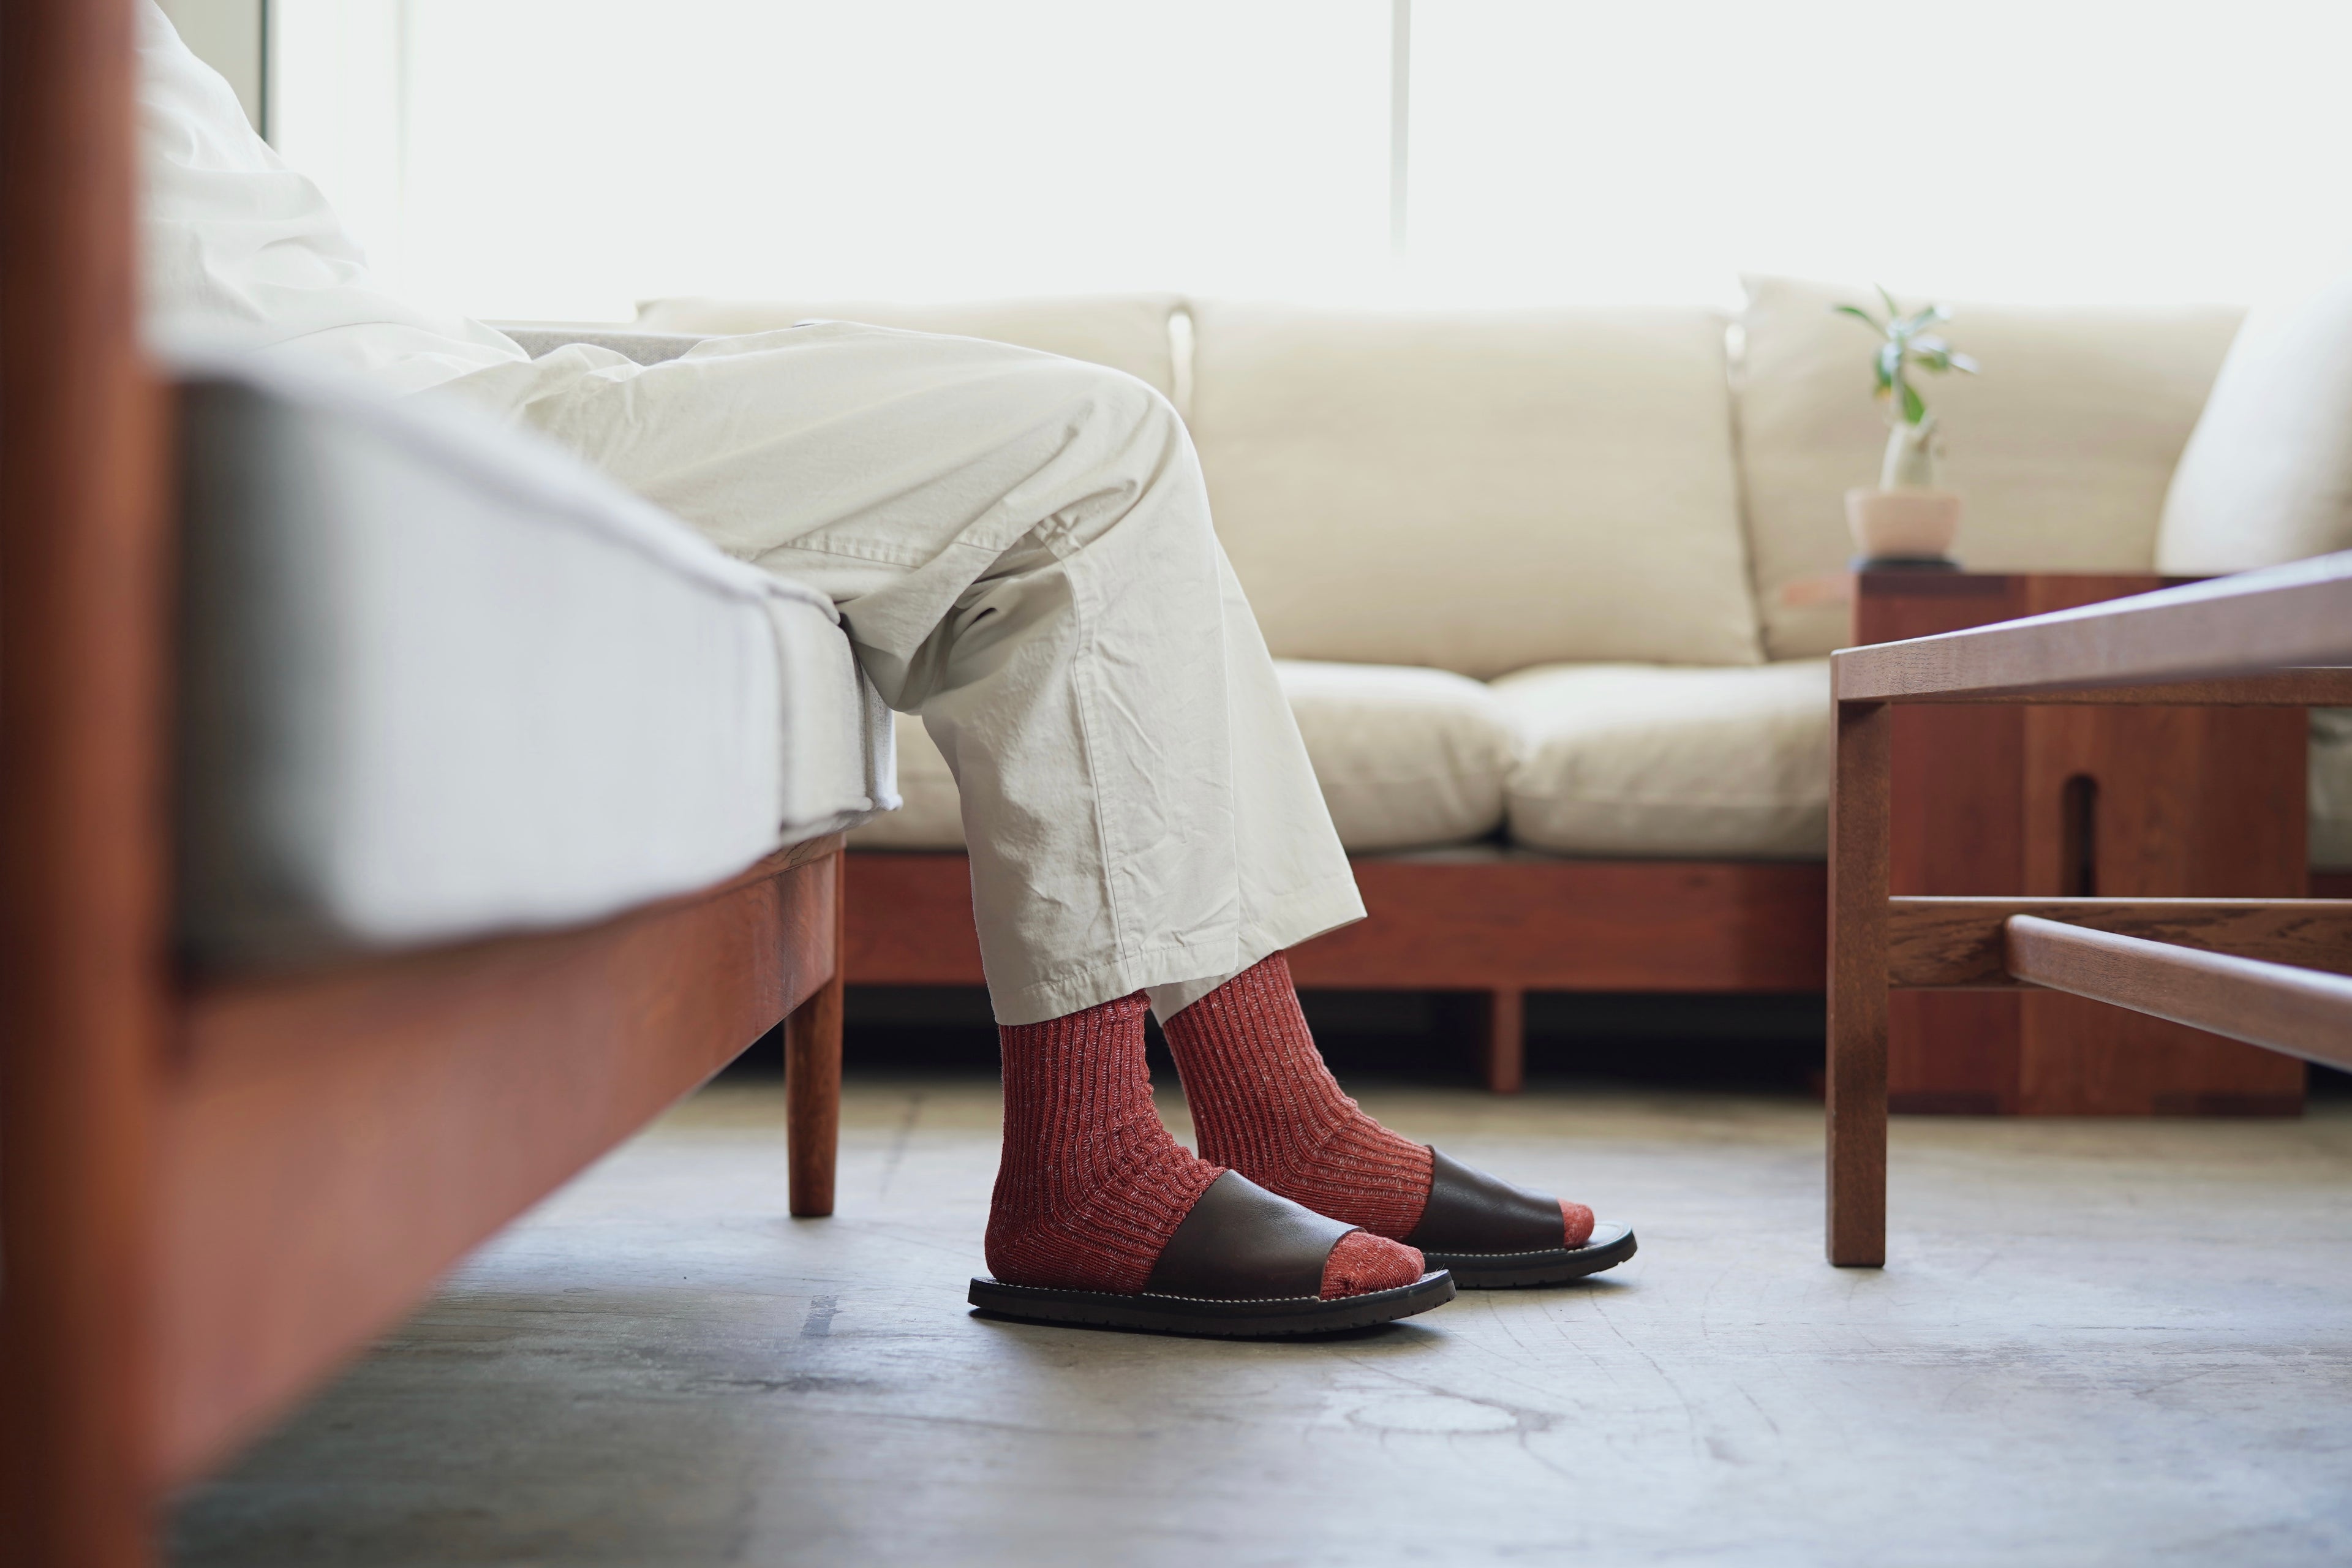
<point x="1091" y="1186"/>
<point x="1264" y="1103"/>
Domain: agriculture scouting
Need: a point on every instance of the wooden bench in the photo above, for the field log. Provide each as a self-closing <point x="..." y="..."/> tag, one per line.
<point x="2267" y="971"/>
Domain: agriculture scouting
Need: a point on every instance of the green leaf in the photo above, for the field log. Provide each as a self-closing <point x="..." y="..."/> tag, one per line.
<point x="1915" y="408"/>
<point x="1935" y="359"/>
<point x="1962" y="363"/>
<point x="1927" y="318"/>
<point x="1894" y="311"/>
<point x="1859" y="314"/>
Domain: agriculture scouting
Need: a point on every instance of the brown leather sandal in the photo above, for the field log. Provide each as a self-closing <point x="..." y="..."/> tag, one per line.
<point x="1245" y="1264"/>
<point x="1493" y="1235"/>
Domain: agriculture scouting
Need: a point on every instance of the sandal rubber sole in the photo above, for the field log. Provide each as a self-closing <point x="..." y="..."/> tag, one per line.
<point x="1554" y="1266"/>
<point x="1218" y="1319"/>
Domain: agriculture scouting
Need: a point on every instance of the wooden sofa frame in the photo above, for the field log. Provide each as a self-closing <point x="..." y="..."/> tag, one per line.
<point x="2271" y="972"/>
<point x="1489" y="927"/>
<point x="213" y="1191"/>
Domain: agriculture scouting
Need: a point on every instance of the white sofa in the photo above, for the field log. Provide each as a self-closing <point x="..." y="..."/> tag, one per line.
<point x="1552" y="577"/>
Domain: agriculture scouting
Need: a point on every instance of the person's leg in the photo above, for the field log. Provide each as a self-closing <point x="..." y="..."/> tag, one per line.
<point x="1021" y="549"/>
<point x="1020" y="546"/>
<point x="1263" y="1101"/>
<point x="1091" y="1187"/>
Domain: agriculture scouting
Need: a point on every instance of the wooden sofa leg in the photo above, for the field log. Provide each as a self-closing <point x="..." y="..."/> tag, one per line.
<point x="1506" y="1041"/>
<point x="1856" y="1075"/>
<point x="813" y="1077"/>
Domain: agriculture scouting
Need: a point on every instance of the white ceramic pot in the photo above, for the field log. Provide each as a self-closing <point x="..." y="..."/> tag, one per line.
<point x="1903" y="525"/>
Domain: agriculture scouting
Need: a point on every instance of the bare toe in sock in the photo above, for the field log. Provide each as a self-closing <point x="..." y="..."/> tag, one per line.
<point x="1361" y="1262"/>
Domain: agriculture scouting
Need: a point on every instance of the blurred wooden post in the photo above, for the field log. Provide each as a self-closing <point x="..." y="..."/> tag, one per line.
<point x="1857" y="985"/>
<point x="813" y="1074"/>
<point x="83" y="624"/>
<point x="1506" y="1011"/>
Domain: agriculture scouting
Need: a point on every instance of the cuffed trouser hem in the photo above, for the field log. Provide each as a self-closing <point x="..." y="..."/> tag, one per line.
<point x="1179" y="973"/>
<point x="1325" y="905"/>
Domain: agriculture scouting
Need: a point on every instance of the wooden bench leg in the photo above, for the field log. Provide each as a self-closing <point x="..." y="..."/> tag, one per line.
<point x="813" y="1077"/>
<point x="1506" y="1041"/>
<point x="1857" y="987"/>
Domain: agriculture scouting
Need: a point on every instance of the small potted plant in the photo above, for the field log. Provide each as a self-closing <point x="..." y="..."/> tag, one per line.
<point x="1906" y="520"/>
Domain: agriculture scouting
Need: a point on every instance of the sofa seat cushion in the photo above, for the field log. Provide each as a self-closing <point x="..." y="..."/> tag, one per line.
<point x="1406" y="757"/>
<point x="1646" y="759"/>
<point x="1127" y="332"/>
<point x="2061" y="449"/>
<point x="1477" y="491"/>
<point x="438" y="681"/>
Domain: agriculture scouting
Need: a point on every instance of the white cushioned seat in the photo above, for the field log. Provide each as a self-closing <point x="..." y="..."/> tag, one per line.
<point x="1406" y="757"/>
<point x="1478" y="492"/>
<point x="2061" y="449"/>
<point x="1637" y="760"/>
<point x="1127" y="332"/>
<point x="440" y="680"/>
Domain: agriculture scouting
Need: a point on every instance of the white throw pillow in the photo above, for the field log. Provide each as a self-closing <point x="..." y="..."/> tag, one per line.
<point x="2061" y="449"/>
<point x="1477" y="490"/>
<point x="2267" y="477"/>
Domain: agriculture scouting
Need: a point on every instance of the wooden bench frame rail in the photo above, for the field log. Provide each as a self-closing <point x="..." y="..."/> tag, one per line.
<point x="2267" y="971"/>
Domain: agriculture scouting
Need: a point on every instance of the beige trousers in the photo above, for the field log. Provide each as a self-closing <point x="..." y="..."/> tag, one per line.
<point x="1021" y="549"/>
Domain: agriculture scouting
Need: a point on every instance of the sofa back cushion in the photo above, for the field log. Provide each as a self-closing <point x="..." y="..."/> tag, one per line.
<point x="2061" y="449"/>
<point x="2267" y="477"/>
<point x="1477" y="491"/>
<point x="1127" y="332"/>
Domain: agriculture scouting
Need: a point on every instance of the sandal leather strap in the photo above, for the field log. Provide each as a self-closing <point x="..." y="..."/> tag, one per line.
<point x="1242" y="1243"/>
<point x="1470" y="1210"/>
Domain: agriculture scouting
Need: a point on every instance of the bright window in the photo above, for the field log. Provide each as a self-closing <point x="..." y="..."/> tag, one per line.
<point x="551" y="158"/>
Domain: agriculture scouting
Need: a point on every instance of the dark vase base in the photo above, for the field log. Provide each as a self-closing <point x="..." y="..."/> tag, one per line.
<point x="1904" y="564"/>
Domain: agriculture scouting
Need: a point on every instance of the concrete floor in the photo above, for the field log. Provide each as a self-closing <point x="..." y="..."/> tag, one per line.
<point x="2119" y="1342"/>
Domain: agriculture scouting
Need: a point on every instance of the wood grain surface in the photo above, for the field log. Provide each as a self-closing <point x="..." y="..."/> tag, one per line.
<point x="2288" y="617"/>
<point x="1496" y="927"/>
<point x="84" y="587"/>
<point x="2301" y="1011"/>
<point x="2204" y="802"/>
<point x="1471" y="924"/>
<point x="813" y="1077"/>
<point x="338" y="1140"/>
<point x="1856" y="1073"/>
<point x="1962" y="944"/>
